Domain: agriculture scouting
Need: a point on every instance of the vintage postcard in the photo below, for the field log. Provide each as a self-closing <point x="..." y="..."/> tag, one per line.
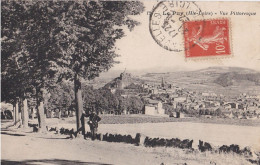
<point x="130" y="82"/>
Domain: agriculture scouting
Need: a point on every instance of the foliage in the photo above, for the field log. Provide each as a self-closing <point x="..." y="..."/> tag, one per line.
<point x="61" y="97"/>
<point x="104" y="101"/>
<point x="11" y="71"/>
<point x="45" y="41"/>
<point x="134" y="86"/>
<point x="28" y="52"/>
<point x="88" y="32"/>
<point x="135" y="104"/>
<point x="168" y="108"/>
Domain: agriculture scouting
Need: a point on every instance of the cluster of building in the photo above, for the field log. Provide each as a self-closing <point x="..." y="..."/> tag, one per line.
<point x="203" y="103"/>
<point x="157" y="97"/>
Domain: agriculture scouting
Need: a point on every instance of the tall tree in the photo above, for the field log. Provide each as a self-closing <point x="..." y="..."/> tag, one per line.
<point x="27" y="55"/>
<point x="65" y="39"/>
<point x="13" y="73"/>
<point x="87" y="40"/>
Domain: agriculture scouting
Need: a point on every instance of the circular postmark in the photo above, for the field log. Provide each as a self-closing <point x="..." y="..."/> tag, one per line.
<point x="166" y="22"/>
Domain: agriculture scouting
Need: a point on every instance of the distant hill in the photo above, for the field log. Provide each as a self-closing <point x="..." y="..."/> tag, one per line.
<point x="224" y="80"/>
<point x="214" y="74"/>
<point x="228" y="79"/>
<point x="228" y="76"/>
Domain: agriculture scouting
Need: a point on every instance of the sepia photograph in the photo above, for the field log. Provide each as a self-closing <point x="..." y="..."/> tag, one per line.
<point x="149" y="82"/>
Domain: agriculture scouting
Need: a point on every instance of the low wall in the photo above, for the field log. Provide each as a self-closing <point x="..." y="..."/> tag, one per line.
<point x="146" y="141"/>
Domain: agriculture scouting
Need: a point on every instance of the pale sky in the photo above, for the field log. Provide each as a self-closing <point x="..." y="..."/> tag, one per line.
<point x="139" y="51"/>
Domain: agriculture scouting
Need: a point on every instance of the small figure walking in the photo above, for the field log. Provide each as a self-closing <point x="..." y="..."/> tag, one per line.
<point x="93" y="123"/>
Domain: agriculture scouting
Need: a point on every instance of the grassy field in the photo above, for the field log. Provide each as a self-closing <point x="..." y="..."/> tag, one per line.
<point x="132" y="119"/>
<point x="139" y="118"/>
<point x="215" y="131"/>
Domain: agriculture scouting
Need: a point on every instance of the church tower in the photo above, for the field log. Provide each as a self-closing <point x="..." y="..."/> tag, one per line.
<point x="163" y="83"/>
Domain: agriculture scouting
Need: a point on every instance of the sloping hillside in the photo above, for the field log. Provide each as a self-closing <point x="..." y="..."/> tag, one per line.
<point x="222" y="80"/>
<point x="228" y="79"/>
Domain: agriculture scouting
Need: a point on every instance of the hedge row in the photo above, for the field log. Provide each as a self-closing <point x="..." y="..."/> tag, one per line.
<point x="118" y="138"/>
<point x="174" y="142"/>
<point x="236" y="149"/>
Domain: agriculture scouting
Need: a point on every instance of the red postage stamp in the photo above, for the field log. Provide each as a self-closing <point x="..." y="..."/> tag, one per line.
<point x="207" y="38"/>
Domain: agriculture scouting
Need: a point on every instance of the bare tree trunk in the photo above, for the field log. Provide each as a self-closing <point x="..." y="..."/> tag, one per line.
<point x="16" y="111"/>
<point x="20" y="111"/>
<point x="40" y="112"/>
<point x="72" y="113"/>
<point x="25" y="113"/>
<point x="41" y="118"/>
<point x="79" y="106"/>
<point x="51" y="114"/>
<point x="45" y="96"/>
<point x="13" y="114"/>
<point x="32" y="113"/>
